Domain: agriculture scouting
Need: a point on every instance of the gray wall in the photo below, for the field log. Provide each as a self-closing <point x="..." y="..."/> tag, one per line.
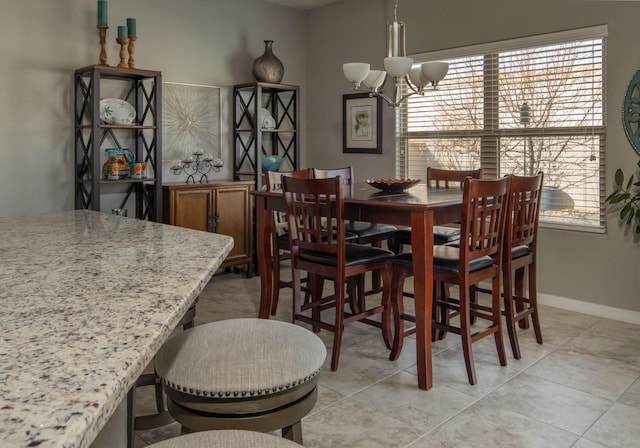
<point x="601" y="270"/>
<point x="207" y="42"/>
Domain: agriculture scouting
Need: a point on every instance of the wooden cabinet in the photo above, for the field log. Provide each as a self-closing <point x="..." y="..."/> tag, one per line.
<point x="223" y="207"/>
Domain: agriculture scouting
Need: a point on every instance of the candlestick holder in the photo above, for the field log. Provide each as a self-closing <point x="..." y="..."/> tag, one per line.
<point x="123" y="41"/>
<point x="102" y="32"/>
<point x="200" y="164"/>
<point x="132" y="50"/>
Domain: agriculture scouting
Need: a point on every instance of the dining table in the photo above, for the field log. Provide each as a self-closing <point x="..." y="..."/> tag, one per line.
<point x="419" y="207"/>
<point x="86" y="300"/>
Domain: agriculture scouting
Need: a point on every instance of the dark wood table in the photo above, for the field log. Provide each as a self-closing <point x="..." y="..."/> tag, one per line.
<point x="419" y="207"/>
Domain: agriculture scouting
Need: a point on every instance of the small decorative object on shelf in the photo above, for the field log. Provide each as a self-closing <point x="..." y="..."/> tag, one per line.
<point x="268" y="68"/>
<point x="131" y="28"/>
<point x="102" y="30"/>
<point x="123" y="40"/>
<point x="200" y="164"/>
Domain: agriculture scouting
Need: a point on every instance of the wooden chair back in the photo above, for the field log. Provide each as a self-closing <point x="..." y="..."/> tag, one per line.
<point x="346" y="173"/>
<point x="315" y="212"/>
<point x="439" y="178"/>
<point x="273" y="182"/>
<point x="524" y="211"/>
<point x="484" y="212"/>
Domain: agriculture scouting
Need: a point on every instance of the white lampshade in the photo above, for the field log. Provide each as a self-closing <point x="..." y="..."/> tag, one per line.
<point x="434" y="71"/>
<point x="398" y="66"/>
<point x="355" y="72"/>
<point x="416" y="77"/>
<point x="374" y="79"/>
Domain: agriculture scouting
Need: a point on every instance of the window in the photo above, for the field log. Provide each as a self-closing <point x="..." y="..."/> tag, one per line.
<point x="517" y="107"/>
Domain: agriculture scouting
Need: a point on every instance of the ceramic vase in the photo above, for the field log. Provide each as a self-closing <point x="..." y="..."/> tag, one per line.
<point x="268" y="68"/>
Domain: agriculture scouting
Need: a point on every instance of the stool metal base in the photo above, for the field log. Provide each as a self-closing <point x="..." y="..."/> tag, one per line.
<point x="283" y="410"/>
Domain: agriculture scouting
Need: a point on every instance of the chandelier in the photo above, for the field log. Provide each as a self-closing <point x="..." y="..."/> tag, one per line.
<point x="398" y="66"/>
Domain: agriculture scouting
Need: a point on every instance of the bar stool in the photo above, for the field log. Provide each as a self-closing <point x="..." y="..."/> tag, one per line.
<point x="254" y="374"/>
<point x="226" y="438"/>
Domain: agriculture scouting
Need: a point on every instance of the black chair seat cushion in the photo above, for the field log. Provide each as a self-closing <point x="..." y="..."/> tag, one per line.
<point x="446" y="259"/>
<point x="365" y="229"/>
<point x="283" y="240"/>
<point x="355" y="254"/>
<point x="519" y="251"/>
<point x="441" y="235"/>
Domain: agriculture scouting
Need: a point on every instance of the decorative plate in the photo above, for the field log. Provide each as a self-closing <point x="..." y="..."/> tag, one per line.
<point x="631" y="112"/>
<point x="115" y="111"/>
<point x="393" y="185"/>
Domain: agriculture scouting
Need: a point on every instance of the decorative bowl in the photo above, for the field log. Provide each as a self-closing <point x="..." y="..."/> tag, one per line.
<point x="271" y="163"/>
<point x="392" y="185"/>
<point x="115" y="111"/>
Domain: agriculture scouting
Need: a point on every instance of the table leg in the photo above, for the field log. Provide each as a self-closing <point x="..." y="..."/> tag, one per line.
<point x="422" y="249"/>
<point x="264" y="228"/>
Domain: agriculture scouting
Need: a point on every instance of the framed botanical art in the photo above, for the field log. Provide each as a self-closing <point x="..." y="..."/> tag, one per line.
<point x="362" y="123"/>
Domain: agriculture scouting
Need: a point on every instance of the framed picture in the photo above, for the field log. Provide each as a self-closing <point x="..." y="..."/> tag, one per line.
<point x="362" y="123"/>
<point x="190" y="120"/>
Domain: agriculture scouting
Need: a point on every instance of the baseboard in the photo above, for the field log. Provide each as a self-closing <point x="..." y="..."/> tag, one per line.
<point x="593" y="309"/>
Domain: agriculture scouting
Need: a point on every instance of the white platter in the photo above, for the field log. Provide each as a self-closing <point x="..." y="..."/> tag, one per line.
<point x="115" y="111"/>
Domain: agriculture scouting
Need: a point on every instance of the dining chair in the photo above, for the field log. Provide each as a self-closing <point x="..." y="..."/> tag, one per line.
<point x="477" y="258"/>
<point x="519" y="258"/>
<point x="315" y="214"/>
<point x="438" y="178"/>
<point x="367" y="232"/>
<point x="280" y="238"/>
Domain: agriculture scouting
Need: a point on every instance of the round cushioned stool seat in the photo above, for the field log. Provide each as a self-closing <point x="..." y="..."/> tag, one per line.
<point x="254" y="374"/>
<point x="226" y="439"/>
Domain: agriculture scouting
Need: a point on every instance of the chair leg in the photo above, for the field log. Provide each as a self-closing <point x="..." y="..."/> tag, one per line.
<point x="442" y="295"/>
<point x="533" y="302"/>
<point x="497" y="319"/>
<point x="295" y="279"/>
<point x="275" y="290"/>
<point x="465" y="334"/>
<point x="293" y="432"/>
<point x="397" y="304"/>
<point x="519" y="292"/>
<point x="339" y="326"/>
<point x="509" y="314"/>
<point x="386" y="304"/>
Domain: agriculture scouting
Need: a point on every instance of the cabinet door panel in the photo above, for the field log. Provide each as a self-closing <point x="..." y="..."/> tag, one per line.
<point x="192" y="208"/>
<point x="231" y="206"/>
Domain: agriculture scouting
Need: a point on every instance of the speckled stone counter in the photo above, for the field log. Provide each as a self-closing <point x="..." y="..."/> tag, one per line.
<point x="86" y="300"/>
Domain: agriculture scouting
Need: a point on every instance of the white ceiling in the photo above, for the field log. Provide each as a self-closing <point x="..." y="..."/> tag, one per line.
<point x="302" y="4"/>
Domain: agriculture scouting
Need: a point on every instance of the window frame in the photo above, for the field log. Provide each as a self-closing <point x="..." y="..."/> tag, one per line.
<point x="490" y="160"/>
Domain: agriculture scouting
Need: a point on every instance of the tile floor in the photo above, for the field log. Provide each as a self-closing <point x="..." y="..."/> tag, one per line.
<point x="581" y="388"/>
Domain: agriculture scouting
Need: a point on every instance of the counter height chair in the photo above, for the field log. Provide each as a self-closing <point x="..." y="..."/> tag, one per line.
<point x="519" y="257"/>
<point x="280" y="238"/>
<point x="477" y="258"/>
<point x="367" y="232"/>
<point x="438" y="178"/>
<point x="315" y="213"/>
<point x="247" y="374"/>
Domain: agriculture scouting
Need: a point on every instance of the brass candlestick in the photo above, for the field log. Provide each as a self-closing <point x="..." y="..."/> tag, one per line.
<point x="132" y="50"/>
<point x="102" y="31"/>
<point x="123" y="41"/>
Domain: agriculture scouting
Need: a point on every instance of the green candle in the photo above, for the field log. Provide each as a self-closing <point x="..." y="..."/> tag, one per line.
<point x="122" y="32"/>
<point x="102" y="12"/>
<point x="131" y="25"/>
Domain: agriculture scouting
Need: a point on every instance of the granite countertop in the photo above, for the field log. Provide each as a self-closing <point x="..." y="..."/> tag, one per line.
<point x="86" y="300"/>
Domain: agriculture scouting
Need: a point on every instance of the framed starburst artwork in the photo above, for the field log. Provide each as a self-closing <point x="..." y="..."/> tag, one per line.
<point x="190" y="120"/>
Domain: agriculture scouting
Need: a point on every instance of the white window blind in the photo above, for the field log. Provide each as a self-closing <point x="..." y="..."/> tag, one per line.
<point x="518" y="107"/>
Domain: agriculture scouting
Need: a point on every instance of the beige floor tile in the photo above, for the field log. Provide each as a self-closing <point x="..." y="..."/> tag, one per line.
<point x="482" y="426"/>
<point x="603" y="377"/>
<point x="631" y="397"/>
<point x="617" y="428"/>
<point x="549" y="402"/>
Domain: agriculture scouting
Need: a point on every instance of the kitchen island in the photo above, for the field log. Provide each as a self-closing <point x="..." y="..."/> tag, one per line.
<point x="86" y="300"/>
